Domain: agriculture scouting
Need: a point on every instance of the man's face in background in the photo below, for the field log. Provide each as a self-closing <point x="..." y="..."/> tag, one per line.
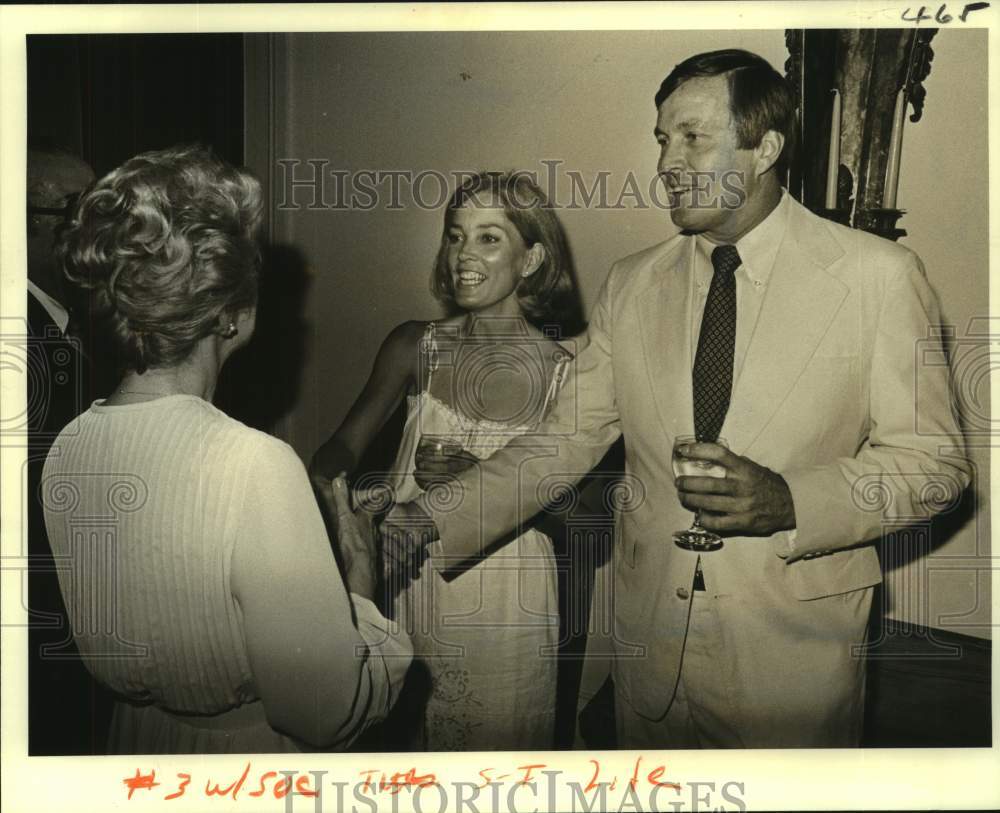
<point x="54" y="180"/>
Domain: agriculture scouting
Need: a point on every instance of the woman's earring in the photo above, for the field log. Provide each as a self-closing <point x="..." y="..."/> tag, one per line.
<point x="231" y="331"/>
<point x="537" y="254"/>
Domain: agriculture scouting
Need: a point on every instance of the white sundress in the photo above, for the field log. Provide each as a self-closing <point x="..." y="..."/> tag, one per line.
<point x="484" y="667"/>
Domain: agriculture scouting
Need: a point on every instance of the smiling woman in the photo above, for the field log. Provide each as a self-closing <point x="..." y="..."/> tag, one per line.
<point x="487" y="259"/>
<point x="503" y="222"/>
<point x="484" y="677"/>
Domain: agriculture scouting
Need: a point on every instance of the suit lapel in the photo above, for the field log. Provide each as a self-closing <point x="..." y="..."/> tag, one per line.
<point x="665" y="330"/>
<point x="40" y="324"/>
<point x="800" y="303"/>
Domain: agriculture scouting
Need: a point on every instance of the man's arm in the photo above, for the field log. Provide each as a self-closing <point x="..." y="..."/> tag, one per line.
<point x="493" y="499"/>
<point x="911" y="466"/>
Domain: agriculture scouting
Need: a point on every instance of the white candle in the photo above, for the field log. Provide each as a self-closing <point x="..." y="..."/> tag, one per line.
<point x="833" y="160"/>
<point x="895" y="152"/>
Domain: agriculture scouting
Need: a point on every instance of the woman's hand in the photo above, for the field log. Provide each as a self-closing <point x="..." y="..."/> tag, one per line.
<point x="355" y="538"/>
<point x="439" y="459"/>
<point x="406" y="532"/>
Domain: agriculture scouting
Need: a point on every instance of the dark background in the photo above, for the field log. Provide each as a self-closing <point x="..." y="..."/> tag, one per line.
<point x="108" y="97"/>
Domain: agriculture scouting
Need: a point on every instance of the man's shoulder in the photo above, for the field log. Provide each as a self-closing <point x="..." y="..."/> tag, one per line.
<point x="651" y="255"/>
<point x="645" y="265"/>
<point x="854" y="248"/>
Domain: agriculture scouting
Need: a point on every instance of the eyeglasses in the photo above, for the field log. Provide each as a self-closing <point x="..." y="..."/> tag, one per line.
<point x="63" y="211"/>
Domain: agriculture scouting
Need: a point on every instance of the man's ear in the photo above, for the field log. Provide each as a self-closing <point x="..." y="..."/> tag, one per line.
<point x="533" y="260"/>
<point x="768" y="151"/>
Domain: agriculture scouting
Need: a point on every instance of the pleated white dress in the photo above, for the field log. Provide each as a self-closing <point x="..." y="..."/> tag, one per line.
<point x="144" y="505"/>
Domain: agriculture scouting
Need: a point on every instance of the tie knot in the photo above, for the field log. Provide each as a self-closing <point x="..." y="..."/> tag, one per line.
<point x="725" y="260"/>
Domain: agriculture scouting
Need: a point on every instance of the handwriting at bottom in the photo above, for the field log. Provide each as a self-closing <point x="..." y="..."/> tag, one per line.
<point x="374" y="781"/>
<point x="280" y="786"/>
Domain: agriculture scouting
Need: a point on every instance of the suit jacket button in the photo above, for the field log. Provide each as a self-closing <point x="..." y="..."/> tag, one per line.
<point x="683" y="593"/>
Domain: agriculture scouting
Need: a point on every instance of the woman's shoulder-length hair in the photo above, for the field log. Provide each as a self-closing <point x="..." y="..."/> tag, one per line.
<point x="547" y="297"/>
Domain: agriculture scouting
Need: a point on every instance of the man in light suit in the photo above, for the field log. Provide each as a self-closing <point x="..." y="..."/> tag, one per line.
<point x="819" y="388"/>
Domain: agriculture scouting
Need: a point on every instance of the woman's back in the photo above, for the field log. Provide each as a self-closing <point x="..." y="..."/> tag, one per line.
<point x="153" y="506"/>
<point x="158" y="493"/>
<point x="200" y="582"/>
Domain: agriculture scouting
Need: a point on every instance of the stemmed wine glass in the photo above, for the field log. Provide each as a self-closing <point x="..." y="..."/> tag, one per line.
<point x="696" y="538"/>
<point x="438" y="459"/>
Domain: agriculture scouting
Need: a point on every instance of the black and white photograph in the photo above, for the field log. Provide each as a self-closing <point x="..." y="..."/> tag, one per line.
<point x="498" y="407"/>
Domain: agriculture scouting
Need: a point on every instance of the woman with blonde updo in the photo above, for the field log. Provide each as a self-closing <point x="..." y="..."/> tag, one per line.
<point x="204" y="591"/>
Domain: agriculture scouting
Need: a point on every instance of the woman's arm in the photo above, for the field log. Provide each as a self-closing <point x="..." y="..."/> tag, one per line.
<point x="355" y="539"/>
<point x="396" y="367"/>
<point x="322" y="675"/>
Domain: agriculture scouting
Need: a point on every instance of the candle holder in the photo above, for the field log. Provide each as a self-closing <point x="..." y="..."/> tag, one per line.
<point x="881" y="222"/>
<point x="841" y="216"/>
<point x="878" y="77"/>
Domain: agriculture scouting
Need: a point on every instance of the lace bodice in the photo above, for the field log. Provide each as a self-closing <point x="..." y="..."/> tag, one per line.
<point x="478" y="436"/>
<point x="429" y="415"/>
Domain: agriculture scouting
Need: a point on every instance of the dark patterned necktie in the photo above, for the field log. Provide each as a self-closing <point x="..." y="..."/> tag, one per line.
<point x="712" y="376"/>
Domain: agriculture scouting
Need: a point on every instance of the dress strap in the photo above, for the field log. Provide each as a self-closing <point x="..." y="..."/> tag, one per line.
<point x="558" y="376"/>
<point x="429" y="349"/>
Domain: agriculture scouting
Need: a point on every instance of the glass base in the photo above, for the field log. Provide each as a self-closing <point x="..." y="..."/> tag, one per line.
<point x="697" y="539"/>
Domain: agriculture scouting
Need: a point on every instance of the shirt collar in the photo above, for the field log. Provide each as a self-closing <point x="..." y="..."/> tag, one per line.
<point x="52" y="306"/>
<point x="758" y="248"/>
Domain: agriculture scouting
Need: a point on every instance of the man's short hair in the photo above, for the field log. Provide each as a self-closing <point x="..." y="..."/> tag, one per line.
<point x="760" y="98"/>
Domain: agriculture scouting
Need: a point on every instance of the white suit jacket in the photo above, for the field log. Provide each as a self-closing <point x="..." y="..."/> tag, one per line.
<point x="844" y="391"/>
